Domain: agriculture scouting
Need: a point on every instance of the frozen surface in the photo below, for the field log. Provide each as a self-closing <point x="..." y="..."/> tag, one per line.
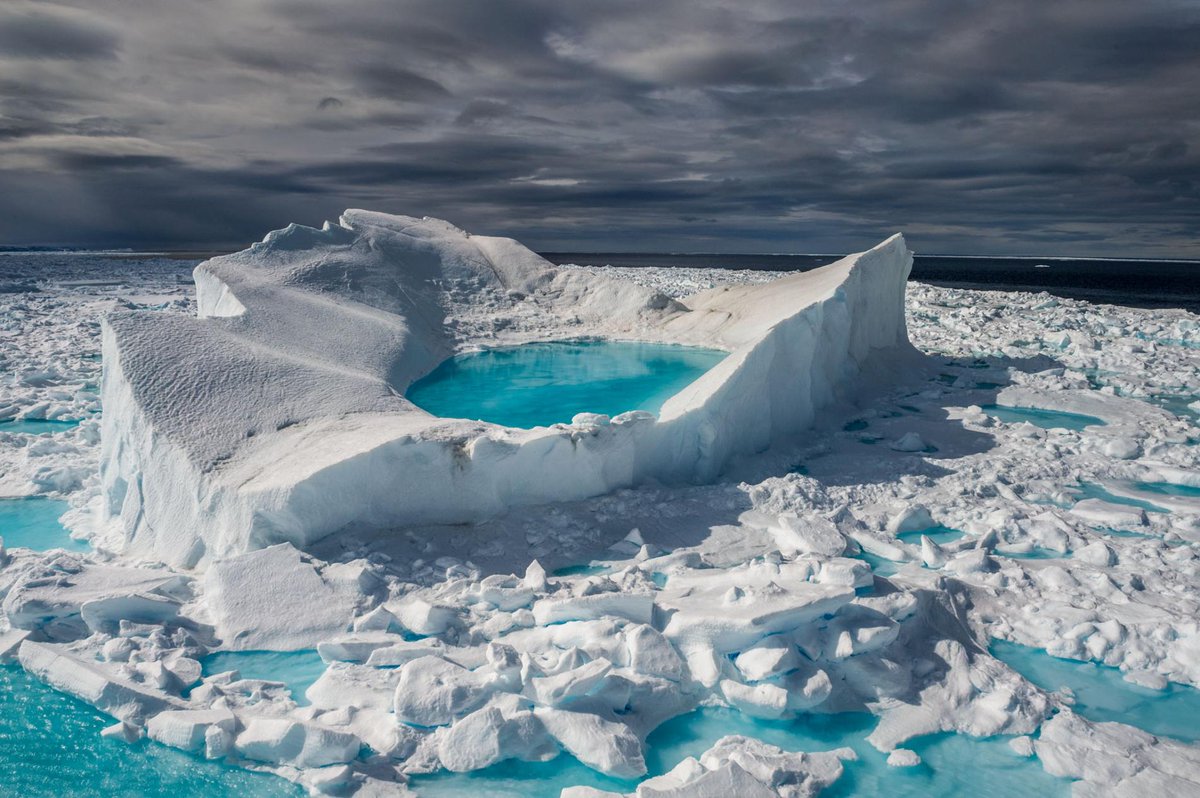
<point x="690" y="629"/>
<point x="550" y="383"/>
<point x="226" y="432"/>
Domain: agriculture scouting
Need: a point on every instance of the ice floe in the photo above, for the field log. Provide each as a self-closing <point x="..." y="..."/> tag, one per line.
<point x="860" y="569"/>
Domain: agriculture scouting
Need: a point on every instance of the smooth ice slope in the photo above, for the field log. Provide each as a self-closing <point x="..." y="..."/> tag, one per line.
<point x="277" y="414"/>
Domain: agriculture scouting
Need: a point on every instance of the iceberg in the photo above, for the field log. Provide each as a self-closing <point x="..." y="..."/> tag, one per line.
<point x="277" y="413"/>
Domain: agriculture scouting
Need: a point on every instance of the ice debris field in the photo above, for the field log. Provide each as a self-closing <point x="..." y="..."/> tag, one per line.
<point x="320" y="518"/>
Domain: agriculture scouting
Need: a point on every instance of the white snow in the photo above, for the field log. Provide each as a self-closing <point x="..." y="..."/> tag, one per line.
<point x="230" y="431"/>
<point x="455" y="646"/>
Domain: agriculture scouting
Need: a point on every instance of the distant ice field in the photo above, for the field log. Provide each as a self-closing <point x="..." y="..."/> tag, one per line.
<point x="1135" y="283"/>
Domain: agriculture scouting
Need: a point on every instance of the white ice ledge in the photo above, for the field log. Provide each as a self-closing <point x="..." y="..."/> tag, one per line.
<point x="278" y="413"/>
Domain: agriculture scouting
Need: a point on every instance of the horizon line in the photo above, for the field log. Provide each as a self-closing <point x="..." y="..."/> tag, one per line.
<point x="39" y="250"/>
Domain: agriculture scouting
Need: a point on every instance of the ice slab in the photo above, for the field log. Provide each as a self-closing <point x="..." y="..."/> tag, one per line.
<point x="277" y="414"/>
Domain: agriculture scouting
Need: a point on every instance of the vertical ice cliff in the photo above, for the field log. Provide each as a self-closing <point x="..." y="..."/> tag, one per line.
<point x="278" y="413"/>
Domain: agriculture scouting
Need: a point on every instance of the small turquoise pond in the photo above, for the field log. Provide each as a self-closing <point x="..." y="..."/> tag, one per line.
<point x="954" y="765"/>
<point x="33" y="523"/>
<point x="1102" y="694"/>
<point x="547" y="383"/>
<point x="1046" y="419"/>
<point x="1169" y="489"/>
<point x="1035" y="553"/>
<point x="50" y="747"/>
<point x="938" y="534"/>
<point x="297" y="669"/>
<point x="880" y="566"/>
<point x="1090" y="490"/>
<point x="36" y="426"/>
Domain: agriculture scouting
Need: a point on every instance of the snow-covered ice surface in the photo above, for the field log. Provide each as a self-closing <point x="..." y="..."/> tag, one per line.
<point x="230" y="431"/>
<point x="454" y="647"/>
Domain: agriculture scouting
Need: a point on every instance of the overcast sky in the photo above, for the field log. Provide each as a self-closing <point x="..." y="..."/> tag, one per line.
<point x="1021" y="126"/>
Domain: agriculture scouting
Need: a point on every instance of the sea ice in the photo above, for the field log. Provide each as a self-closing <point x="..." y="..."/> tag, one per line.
<point x="229" y="432"/>
<point x="833" y="579"/>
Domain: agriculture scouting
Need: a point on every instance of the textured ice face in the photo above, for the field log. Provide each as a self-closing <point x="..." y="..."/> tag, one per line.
<point x="228" y="431"/>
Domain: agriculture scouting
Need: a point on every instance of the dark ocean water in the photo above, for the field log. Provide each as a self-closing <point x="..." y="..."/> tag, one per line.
<point x="1137" y="283"/>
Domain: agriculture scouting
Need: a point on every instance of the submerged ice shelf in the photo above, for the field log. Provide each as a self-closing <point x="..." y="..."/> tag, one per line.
<point x="50" y="745"/>
<point x="540" y="384"/>
<point x="298" y="670"/>
<point x="305" y="343"/>
<point x="1102" y="694"/>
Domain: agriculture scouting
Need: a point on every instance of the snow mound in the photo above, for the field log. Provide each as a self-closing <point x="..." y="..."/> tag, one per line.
<point x="277" y="413"/>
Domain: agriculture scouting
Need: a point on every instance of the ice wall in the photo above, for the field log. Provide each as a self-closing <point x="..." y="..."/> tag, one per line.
<point x="278" y="413"/>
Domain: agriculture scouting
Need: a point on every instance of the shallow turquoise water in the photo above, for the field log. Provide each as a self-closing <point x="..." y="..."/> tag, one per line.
<point x="36" y="426"/>
<point x="938" y="534"/>
<point x="1046" y="419"/>
<point x="1036" y="553"/>
<point x="297" y="669"/>
<point x="50" y="747"/>
<point x="880" y="565"/>
<point x="954" y="765"/>
<point x="1169" y="489"/>
<point x="547" y="383"/>
<point x="33" y="523"/>
<point x="1125" y="533"/>
<point x="1089" y="490"/>
<point x="1102" y="694"/>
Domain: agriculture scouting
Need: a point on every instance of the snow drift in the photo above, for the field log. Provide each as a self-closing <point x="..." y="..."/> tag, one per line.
<point x="278" y="412"/>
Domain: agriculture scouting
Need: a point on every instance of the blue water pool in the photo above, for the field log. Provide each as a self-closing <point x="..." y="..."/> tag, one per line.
<point x="938" y="534"/>
<point x="1046" y="419"/>
<point x="1169" y="489"/>
<point x="1102" y="694"/>
<point x="1090" y="490"/>
<point x="1035" y="553"/>
<point x="36" y="426"/>
<point x="33" y="523"/>
<point x="954" y="765"/>
<point x="297" y="669"/>
<point x="50" y="747"/>
<point x="881" y="566"/>
<point x="547" y="383"/>
<point x="1125" y="533"/>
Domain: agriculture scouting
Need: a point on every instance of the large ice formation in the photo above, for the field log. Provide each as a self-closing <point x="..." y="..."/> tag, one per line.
<point x="277" y="414"/>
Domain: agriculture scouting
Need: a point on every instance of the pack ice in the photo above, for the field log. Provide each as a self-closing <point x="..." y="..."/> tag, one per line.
<point x="830" y="588"/>
<point x="277" y="413"/>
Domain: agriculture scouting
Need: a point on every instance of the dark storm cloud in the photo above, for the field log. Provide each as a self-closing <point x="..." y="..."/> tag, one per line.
<point x="46" y="32"/>
<point x="1064" y="127"/>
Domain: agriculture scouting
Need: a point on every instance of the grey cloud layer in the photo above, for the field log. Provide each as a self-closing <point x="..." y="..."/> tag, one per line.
<point x="1056" y="128"/>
